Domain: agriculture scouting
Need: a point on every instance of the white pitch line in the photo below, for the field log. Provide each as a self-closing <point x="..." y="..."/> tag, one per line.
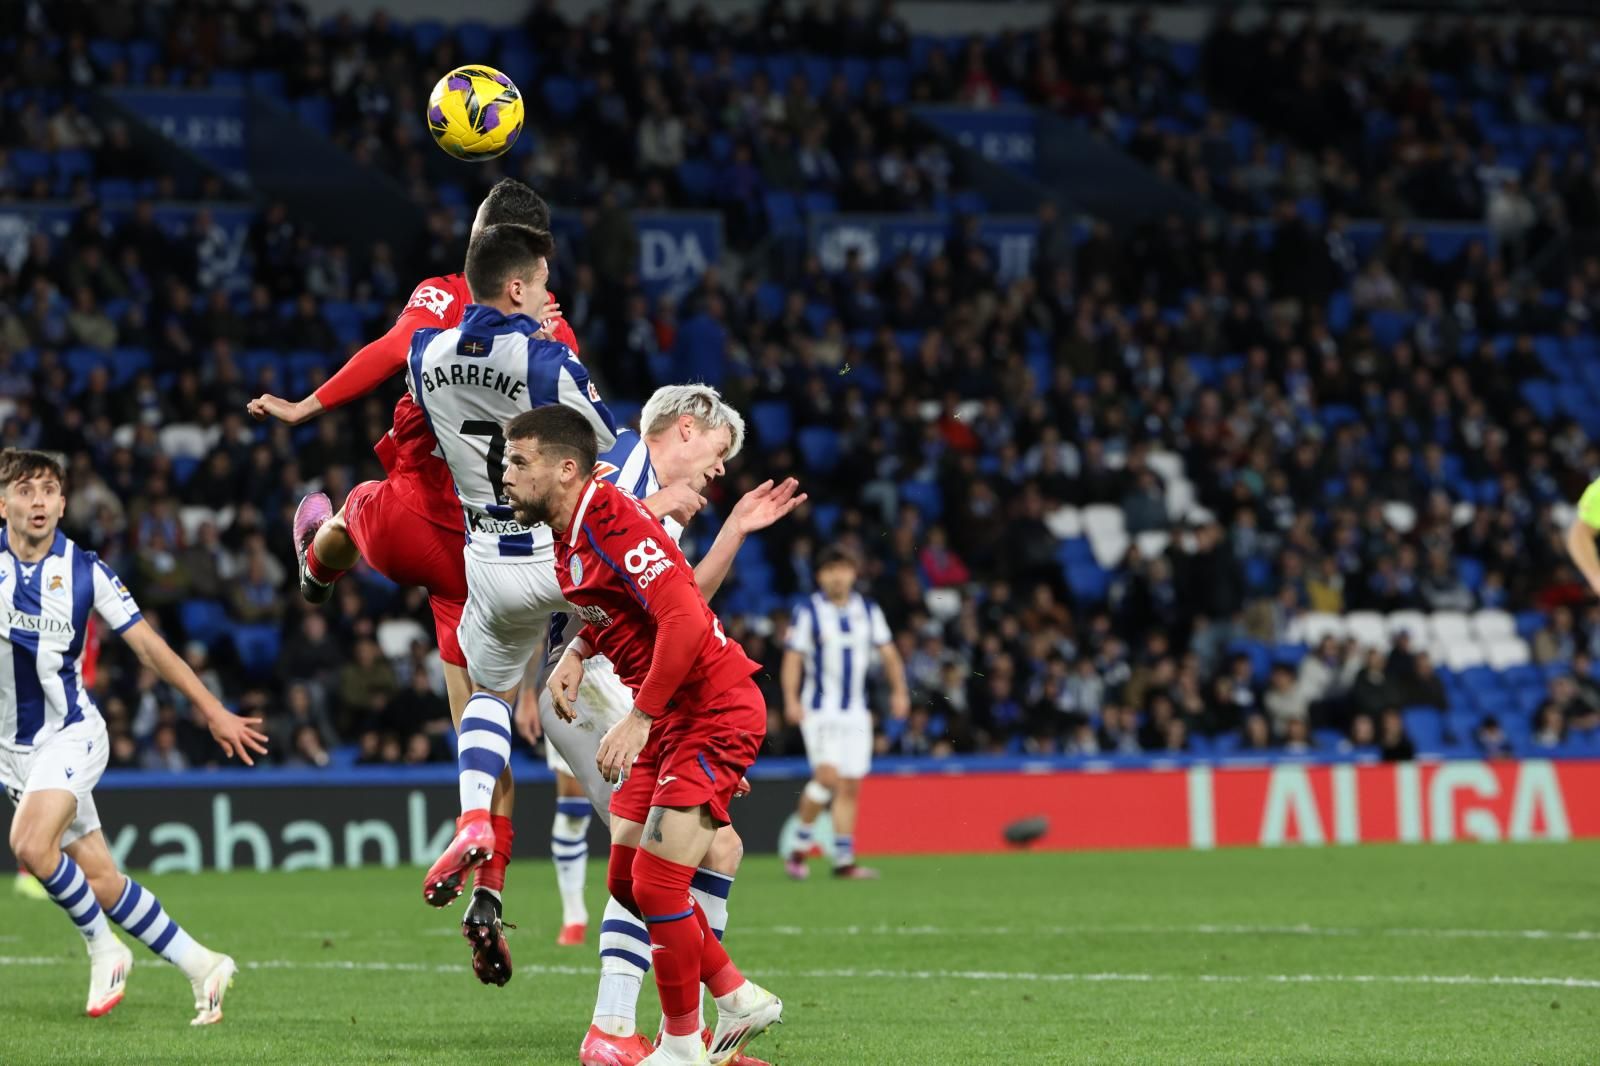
<point x="1160" y="930"/>
<point x="373" y="966"/>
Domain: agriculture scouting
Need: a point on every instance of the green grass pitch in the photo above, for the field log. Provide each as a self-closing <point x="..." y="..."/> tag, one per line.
<point x="1460" y="954"/>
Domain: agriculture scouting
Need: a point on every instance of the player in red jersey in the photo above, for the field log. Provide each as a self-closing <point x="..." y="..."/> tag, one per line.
<point x="696" y="726"/>
<point x="408" y="526"/>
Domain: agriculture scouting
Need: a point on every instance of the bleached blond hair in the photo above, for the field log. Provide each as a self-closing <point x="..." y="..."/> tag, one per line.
<point x="701" y="402"/>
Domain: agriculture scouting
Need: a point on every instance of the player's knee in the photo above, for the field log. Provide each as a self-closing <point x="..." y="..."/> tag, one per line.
<point x="826" y="776"/>
<point x="848" y="787"/>
<point x="727" y="851"/>
<point x="818" y="791"/>
<point x="33" y="848"/>
<point x="619" y="876"/>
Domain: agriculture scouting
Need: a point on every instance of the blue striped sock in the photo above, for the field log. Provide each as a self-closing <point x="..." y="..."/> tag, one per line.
<point x="624" y="960"/>
<point x="139" y="912"/>
<point x="710" y="889"/>
<point x="569" y="847"/>
<point x="844" y="850"/>
<point x="802" y="836"/>
<point x="485" y="749"/>
<point x="70" y="889"/>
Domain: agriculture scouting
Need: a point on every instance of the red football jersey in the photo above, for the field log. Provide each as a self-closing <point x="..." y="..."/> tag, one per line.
<point x="644" y="612"/>
<point x="407" y="450"/>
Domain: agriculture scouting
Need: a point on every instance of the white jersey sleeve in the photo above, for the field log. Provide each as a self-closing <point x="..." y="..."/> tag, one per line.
<point x="880" y="625"/>
<point x="112" y="600"/>
<point x="801" y="635"/>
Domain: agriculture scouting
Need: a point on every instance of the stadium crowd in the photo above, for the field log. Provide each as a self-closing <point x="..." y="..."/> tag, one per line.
<point x="942" y="418"/>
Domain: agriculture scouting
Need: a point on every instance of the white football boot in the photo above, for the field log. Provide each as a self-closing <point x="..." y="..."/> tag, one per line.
<point x="665" y="1056"/>
<point x="755" y="1010"/>
<point x="108" y="977"/>
<point x="210" y="987"/>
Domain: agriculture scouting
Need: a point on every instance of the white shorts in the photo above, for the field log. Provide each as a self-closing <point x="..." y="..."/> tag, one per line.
<point x="840" y="739"/>
<point x="506" y="619"/>
<point x="569" y="747"/>
<point x="72" y="761"/>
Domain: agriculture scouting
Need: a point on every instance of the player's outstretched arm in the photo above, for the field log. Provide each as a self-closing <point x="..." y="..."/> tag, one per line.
<point x="755" y="511"/>
<point x="236" y="735"/>
<point x="294" y="412"/>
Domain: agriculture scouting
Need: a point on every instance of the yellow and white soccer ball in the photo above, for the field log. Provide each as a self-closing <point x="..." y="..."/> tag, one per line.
<point x="475" y="113"/>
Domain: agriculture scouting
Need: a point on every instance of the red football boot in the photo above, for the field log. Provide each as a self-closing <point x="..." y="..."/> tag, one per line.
<point x="602" y="1049"/>
<point x="571" y="936"/>
<point x="472" y="844"/>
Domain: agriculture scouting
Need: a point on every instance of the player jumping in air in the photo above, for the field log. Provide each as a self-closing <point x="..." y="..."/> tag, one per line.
<point x="408" y="526"/>
<point x="53" y="743"/>
<point x="688" y="434"/>
<point x="468" y="382"/>
<point x="696" y="726"/>
<point x="832" y="637"/>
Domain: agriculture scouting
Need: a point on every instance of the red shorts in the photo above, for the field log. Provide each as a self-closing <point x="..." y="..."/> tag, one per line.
<point x="408" y="549"/>
<point x="698" y="758"/>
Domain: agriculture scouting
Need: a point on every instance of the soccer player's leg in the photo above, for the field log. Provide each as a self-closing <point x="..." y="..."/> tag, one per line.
<point x="503" y="623"/>
<point x="137" y="910"/>
<point x="854" y="754"/>
<point x="324" y="546"/>
<point x="818" y="793"/>
<point x="53" y="790"/>
<point x="569" y="849"/>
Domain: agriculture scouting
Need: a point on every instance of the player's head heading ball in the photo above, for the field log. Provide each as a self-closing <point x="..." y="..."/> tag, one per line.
<point x="550" y="456"/>
<point x="511" y="201"/>
<point x="33" y="489"/>
<point x="507" y="268"/>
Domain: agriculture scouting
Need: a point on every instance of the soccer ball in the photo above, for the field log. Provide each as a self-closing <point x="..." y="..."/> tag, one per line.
<point x="475" y="113"/>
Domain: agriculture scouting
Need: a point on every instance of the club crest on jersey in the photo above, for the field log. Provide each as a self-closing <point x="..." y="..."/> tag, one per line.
<point x="575" y="568"/>
<point x="594" y="393"/>
<point x="433" y="299"/>
<point x="56" y="584"/>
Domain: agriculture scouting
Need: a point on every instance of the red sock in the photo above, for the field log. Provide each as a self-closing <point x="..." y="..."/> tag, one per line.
<point x="717" y="971"/>
<point x="619" y="876"/>
<point x="320" y="571"/>
<point x="676" y="941"/>
<point x="492" y="874"/>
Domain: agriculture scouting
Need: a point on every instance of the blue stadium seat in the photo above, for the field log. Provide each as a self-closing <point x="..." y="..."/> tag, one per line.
<point x="783" y="213"/>
<point x="773" y="423"/>
<point x="1426" y="727"/>
<point x="697" y="179"/>
<point x="820" y="203"/>
<point x="1089" y="583"/>
<point x="1388" y="327"/>
<point x="106" y="52"/>
<point x="114" y="190"/>
<point x="625" y="412"/>
<point x="819" y="447"/>
<point x="780" y="68"/>
<point x="28" y="164"/>
<point x="476" y="39"/>
<point x="316" y="112"/>
<point x="825" y="516"/>
<point x="267" y="83"/>
<point x="203" y="620"/>
<point x="561" y="96"/>
<point x="426" y="33"/>
<point x="770" y="298"/>
<point x="72" y="164"/>
<point x="257" y="647"/>
<point x="925" y="497"/>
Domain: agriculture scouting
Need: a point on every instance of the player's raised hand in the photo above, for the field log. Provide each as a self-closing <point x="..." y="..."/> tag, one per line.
<point x="765" y="504"/>
<point x="294" y="413"/>
<point x="238" y="736"/>
<point x="678" y="502"/>
<point x="621" y="746"/>
<point x="563" y="685"/>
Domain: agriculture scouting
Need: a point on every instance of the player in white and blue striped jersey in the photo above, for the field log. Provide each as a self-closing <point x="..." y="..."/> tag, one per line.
<point x="469" y="382"/>
<point x="53" y="744"/>
<point x="834" y="635"/>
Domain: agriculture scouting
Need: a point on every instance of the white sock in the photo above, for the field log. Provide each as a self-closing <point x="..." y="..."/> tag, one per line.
<point x="624" y="960"/>
<point x="139" y="912"/>
<point x="70" y="890"/>
<point x="710" y="889"/>
<point x="737" y="998"/>
<point x="569" y="847"/>
<point x="485" y="748"/>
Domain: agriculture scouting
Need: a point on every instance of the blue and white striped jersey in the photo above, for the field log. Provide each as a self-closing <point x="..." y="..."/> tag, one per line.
<point x="45" y="611"/>
<point x="470" y="381"/>
<point x="628" y="466"/>
<point x="838" y="643"/>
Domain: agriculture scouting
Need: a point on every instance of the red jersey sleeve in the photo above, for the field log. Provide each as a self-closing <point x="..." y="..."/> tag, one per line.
<point x="681" y="631"/>
<point x="434" y="303"/>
